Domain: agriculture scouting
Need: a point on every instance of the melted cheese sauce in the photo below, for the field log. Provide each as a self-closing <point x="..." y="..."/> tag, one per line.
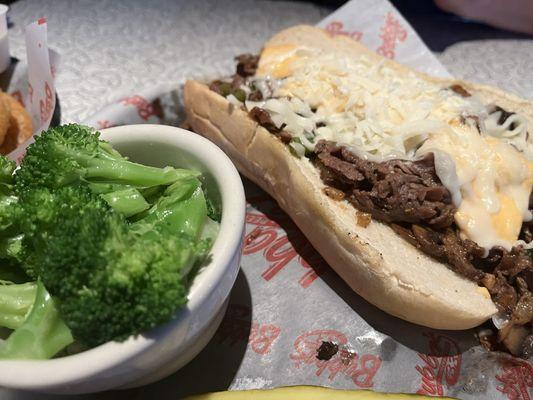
<point x="383" y="114"/>
<point x="493" y="181"/>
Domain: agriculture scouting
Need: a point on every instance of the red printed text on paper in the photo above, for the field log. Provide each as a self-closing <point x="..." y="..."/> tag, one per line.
<point x="440" y="367"/>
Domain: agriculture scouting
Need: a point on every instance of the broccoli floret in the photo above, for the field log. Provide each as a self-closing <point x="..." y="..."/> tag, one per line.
<point x="6" y="173"/>
<point x="110" y="281"/>
<point x="10" y="233"/>
<point x="7" y="195"/>
<point x="70" y="154"/>
<point x="9" y="215"/>
<point x="16" y="301"/>
<point x="42" y="334"/>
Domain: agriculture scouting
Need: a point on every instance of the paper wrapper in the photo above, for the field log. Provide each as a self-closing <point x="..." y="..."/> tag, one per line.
<point x="380" y="27"/>
<point x="287" y="300"/>
<point x="33" y="83"/>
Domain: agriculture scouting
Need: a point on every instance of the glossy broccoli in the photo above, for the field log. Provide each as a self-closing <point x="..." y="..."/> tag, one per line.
<point x="70" y="154"/>
<point x="6" y="173"/>
<point x="16" y="301"/>
<point x="42" y="333"/>
<point x="180" y="208"/>
<point x="10" y="233"/>
<point x="109" y="281"/>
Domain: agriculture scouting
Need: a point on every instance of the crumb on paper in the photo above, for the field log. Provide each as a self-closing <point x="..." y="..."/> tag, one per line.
<point x="327" y="350"/>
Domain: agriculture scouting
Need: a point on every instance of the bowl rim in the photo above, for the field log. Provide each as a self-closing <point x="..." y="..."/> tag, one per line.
<point x="35" y="374"/>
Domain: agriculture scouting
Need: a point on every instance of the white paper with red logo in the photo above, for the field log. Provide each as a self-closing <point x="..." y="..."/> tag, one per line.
<point x="380" y="27"/>
<point x="287" y="301"/>
<point x="33" y="82"/>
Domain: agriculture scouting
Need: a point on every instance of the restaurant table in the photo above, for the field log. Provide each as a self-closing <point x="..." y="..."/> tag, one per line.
<point x="111" y="48"/>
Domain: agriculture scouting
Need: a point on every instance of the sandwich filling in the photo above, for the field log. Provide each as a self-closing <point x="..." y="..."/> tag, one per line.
<point x="449" y="173"/>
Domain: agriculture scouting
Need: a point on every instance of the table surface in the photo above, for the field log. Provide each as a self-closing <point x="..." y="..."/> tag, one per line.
<point x="110" y="48"/>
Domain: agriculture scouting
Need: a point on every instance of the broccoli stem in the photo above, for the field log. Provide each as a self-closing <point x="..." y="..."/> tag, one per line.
<point x="15" y="302"/>
<point x="181" y="208"/>
<point x="125" y="199"/>
<point x="152" y="194"/>
<point x="108" y="150"/>
<point x="119" y="170"/>
<point x="42" y="335"/>
<point x="134" y="174"/>
<point x="127" y="202"/>
<point x="103" y="187"/>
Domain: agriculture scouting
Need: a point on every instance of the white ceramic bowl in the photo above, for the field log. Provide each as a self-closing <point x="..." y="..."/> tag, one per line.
<point x="163" y="350"/>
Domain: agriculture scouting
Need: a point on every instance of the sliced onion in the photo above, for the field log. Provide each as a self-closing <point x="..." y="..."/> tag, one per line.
<point x="500" y="320"/>
<point x="447" y="173"/>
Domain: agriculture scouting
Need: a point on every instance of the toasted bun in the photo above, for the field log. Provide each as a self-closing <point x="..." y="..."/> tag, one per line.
<point x="376" y="263"/>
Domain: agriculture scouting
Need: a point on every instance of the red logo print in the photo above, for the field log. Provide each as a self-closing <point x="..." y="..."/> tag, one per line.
<point x="30" y="92"/>
<point x="18" y="96"/>
<point x="391" y="33"/>
<point x="102" y="124"/>
<point x="268" y="236"/>
<point x="262" y="337"/>
<point x="145" y="109"/>
<point x="516" y="379"/>
<point x="236" y="328"/>
<point x="360" y="369"/>
<point x="336" y="28"/>
<point x="45" y="105"/>
<point x="442" y="365"/>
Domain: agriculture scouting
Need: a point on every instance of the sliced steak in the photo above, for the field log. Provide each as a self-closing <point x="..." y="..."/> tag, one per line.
<point x="461" y="91"/>
<point x="409" y="196"/>
<point x="247" y="64"/>
<point x="262" y="117"/>
<point x="392" y="191"/>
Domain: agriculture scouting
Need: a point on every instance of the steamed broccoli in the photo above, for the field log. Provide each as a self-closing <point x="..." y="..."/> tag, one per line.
<point x="93" y="246"/>
<point x="6" y="174"/>
<point x="41" y="335"/>
<point x="181" y="208"/>
<point x="110" y="281"/>
<point x="70" y="154"/>
<point x="10" y="234"/>
<point x="126" y="201"/>
<point x="16" y="301"/>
